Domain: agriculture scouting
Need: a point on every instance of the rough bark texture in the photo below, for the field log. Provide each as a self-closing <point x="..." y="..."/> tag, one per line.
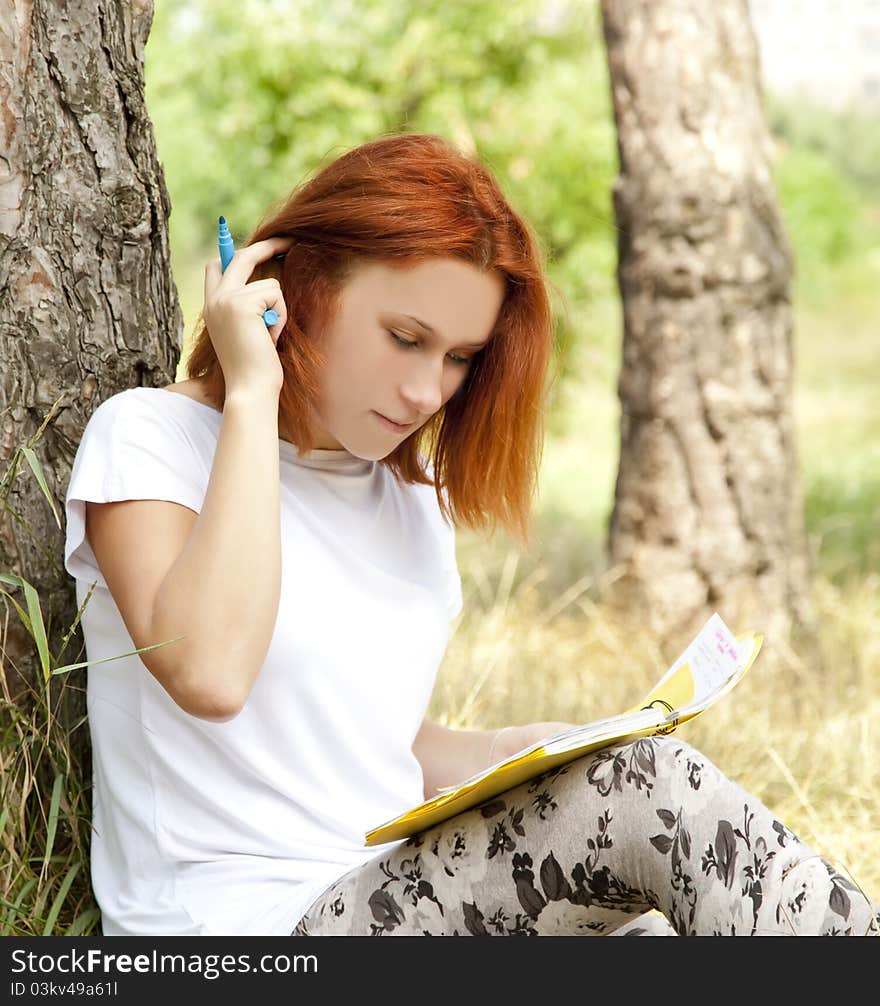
<point x="87" y="304"/>
<point x="708" y="511"/>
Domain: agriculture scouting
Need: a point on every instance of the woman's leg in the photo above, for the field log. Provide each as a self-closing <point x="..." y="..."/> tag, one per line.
<point x="584" y="848"/>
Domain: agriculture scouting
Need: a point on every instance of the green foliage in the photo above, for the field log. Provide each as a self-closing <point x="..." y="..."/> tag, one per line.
<point x="849" y="139"/>
<point x="828" y="177"/>
<point x="243" y="116"/>
<point x="822" y="210"/>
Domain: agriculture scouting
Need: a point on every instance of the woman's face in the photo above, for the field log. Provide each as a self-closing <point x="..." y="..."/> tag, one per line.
<point x="382" y="364"/>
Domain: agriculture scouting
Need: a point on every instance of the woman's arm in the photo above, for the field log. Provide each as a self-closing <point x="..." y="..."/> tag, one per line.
<point x="450" y="756"/>
<point x="223" y="591"/>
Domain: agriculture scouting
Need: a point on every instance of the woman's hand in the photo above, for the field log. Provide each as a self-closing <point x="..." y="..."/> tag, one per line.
<point x="509" y="740"/>
<point x="233" y="314"/>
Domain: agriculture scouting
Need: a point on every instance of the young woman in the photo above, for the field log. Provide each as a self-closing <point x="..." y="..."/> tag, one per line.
<point x="280" y="529"/>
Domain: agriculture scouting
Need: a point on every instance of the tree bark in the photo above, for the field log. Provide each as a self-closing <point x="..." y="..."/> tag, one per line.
<point x="87" y="303"/>
<point x="708" y="511"/>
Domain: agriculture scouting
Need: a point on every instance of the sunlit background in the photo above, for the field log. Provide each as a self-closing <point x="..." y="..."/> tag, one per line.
<point x="248" y="96"/>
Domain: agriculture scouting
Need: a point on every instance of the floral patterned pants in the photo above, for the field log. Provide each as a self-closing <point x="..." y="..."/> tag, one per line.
<point x="645" y="838"/>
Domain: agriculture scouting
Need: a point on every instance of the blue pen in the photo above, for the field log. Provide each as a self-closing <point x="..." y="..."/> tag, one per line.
<point x="227" y="250"/>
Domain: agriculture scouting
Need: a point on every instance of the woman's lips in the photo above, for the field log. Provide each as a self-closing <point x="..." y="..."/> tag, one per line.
<point x="389" y="424"/>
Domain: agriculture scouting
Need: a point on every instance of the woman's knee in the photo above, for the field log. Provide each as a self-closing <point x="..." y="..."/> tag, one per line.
<point x="640" y="766"/>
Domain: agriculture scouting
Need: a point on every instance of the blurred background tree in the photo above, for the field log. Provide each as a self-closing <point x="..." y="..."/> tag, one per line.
<point x="708" y="508"/>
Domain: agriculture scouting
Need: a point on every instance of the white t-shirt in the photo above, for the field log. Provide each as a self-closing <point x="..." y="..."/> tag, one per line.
<point x="204" y="828"/>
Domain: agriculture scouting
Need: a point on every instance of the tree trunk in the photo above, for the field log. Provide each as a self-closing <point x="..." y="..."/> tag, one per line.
<point x="708" y="511"/>
<point x="88" y="304"/>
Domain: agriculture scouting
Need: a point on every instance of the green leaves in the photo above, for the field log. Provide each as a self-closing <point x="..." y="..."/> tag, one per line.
<point x="32" y="620"/>
<point x="36" y="468"/>
<point x="499" y="75"/>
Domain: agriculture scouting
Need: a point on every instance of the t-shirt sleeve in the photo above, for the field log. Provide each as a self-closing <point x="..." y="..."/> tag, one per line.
<point x="130" y="449"/>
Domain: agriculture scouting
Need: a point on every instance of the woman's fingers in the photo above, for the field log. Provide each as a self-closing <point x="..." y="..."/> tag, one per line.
<point x="273" y="299"/>
<point x="240" y="267"/>
<point x="246" y="259"/>
<point x="256" y="298"/>
<point x="212" y="278"/>
<point x="234" y="310"/>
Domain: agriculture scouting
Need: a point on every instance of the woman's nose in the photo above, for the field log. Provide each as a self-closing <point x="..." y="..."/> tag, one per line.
<point x="422" y="388"/>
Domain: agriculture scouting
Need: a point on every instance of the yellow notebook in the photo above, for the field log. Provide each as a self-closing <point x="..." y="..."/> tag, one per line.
<point x="711" y="665"/>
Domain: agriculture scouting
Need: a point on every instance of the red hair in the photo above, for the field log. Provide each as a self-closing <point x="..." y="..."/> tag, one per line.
<point x="401" y="199"/>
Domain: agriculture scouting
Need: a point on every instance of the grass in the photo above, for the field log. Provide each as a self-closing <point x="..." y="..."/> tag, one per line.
<point x="800" y="732"/>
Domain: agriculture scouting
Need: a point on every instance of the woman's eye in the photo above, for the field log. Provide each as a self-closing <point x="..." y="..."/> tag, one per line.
<point x="403" y="342"/>
<point x="461" y="361"/>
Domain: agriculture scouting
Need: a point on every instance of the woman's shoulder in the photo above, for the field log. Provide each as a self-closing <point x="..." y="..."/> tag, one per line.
<point x="142" y="436"/>
<point x="172" y="400"/>
<point x="193" y="389"/>
<point x="153" y="416"/>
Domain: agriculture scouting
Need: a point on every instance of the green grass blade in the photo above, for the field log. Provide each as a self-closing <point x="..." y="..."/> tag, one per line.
<point x="36" y="468"/>
<point x="69" y="634"/>
<point x="83" y="921"/>
<point x="15" y="907"/>
<point x="59" y="899"/>
<point x="104" y="660"/>
<point x="21" y="612"/>
<point x="53" y="817"/>
<point x="36" y="627"/>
